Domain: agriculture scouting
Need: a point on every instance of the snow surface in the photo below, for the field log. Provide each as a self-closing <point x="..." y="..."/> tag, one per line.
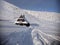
<point x="44" y="29"/>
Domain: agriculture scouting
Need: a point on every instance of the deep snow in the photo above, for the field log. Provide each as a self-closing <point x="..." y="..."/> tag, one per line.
<point x="44" y="29"/>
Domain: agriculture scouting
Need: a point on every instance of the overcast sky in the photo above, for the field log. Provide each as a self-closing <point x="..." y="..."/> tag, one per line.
<point x="37" y="5"/>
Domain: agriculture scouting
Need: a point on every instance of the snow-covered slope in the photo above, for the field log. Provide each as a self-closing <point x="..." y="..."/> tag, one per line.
<point x="48" y="25"/>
